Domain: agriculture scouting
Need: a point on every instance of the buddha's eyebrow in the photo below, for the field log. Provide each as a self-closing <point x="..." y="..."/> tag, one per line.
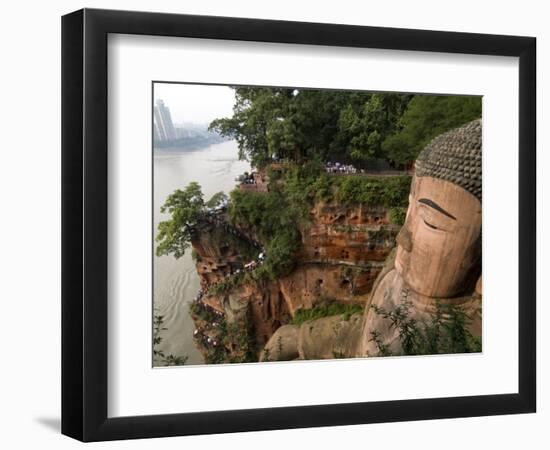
<point x="435" y="206"/>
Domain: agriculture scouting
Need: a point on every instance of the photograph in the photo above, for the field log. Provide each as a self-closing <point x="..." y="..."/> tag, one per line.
<point x="294" y="223"/>
<point x="275" y="225"/>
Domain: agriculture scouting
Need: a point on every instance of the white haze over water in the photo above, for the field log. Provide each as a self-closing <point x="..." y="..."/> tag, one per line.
<point x="195" y="103"/>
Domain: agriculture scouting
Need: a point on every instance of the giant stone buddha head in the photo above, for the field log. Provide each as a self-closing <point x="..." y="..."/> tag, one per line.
<point x="439" y="246"/>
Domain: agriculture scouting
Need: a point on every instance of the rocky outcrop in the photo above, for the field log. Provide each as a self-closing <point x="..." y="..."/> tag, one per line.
<point x="343" y="250"/>
<point x="357" y="236"/>
<point x="342" y="253"/>
<point x="220" y="251"/>
<point x="264" y="304"/>
<point x="326" y="338"/>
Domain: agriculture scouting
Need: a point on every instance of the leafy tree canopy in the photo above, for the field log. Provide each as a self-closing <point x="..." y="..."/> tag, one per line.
<point x="300" y="124"/>
<point x="347" y="126"/>
<point x="186" y="208"/>
<point x="363" y="129"/>
<point x="426" y="117"/>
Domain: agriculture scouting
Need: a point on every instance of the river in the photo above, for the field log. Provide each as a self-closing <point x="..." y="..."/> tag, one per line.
<point x="175" y="280"/>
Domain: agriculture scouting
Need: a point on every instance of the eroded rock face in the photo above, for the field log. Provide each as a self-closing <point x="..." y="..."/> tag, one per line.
<point x="343" y="251"/>
<point x="311" y="283"/>
<point x="218" y="253"/>
<point x="349" y="235"/>
<point x="266" y="308"/>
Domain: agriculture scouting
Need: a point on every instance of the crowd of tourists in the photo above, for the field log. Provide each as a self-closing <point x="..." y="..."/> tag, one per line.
<point x="206" y="340"/>
<point x="247" y="267"/>
<point x="246" y="178"/>
<point x="201" y="333"/>
<point x="341" y="169"/>
<point x="216" y="217"/>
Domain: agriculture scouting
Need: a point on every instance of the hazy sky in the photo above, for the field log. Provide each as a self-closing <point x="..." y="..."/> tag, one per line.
<point x="194" y="102"/>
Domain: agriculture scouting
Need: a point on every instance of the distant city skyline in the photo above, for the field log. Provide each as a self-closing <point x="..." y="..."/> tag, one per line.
<point x="163" y="126"/>
<point x="194" y="103"/>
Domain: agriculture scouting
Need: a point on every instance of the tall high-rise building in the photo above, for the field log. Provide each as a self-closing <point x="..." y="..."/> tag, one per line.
<point x="163" y="126"/>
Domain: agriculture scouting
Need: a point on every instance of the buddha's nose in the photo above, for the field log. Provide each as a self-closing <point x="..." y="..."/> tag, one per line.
<point x="404" y="237"/>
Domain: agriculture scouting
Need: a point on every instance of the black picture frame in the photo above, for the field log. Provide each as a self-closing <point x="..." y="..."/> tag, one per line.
<point x="84" y="224"/>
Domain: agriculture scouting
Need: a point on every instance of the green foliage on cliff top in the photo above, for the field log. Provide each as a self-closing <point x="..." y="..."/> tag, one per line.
<point x="302" y="123"/>
<point x="389" y="191"/>
<point x="271" y="217"/>
<point x="304" y="184"/>
<point x="426" y="117"/>
<point x="347" y="126"/>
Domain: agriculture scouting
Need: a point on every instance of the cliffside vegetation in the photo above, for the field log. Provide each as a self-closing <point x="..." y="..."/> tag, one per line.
<point x="389" y="192"/>
<point x="346" y="126"/>
<point x="326" y="309"/>
<point x="426" y="117"/>
<point x="270" y="217"/>
<point x="397" y="215"/>
<point x="186" y="209"/>
<point x="234" y="341"/>
<point x="277" y="216"/>
<point x="160" y="357"/>
<point x="445" y="332"/>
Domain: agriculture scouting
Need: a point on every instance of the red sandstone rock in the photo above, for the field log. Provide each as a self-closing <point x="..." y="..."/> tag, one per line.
<point x="343" y="250"/>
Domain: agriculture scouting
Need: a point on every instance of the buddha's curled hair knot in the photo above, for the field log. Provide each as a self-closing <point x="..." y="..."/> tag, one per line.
<point x="454" y="156"/>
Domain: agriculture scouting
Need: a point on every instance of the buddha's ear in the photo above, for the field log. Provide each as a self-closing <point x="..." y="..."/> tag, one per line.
<point x="478" y="286"/>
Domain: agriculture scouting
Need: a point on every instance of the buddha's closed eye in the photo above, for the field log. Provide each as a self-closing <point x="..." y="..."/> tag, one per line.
<point x="430" y="225"/>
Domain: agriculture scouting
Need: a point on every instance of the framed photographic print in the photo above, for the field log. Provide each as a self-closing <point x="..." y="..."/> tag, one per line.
<point x="273" y="224"/>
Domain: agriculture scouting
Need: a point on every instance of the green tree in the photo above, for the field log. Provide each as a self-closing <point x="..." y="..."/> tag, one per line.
<point x="255" y="110"/>
<point x="348" y="126"/>
<point x="217" y="200"/>
<point x="426" y="117"/>
<point x="296" y="124"/>
<point x="186" y="209"/>
<point x="312" y="122"/>
<point x="271" y="217"/>
<point x="365" y="126"/>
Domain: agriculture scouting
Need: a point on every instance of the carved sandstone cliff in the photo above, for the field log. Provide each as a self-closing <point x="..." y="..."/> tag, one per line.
<point x="343" y="250"/>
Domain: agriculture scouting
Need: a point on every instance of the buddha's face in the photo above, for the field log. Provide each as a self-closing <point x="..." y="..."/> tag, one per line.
<point x="440" y="240"/>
